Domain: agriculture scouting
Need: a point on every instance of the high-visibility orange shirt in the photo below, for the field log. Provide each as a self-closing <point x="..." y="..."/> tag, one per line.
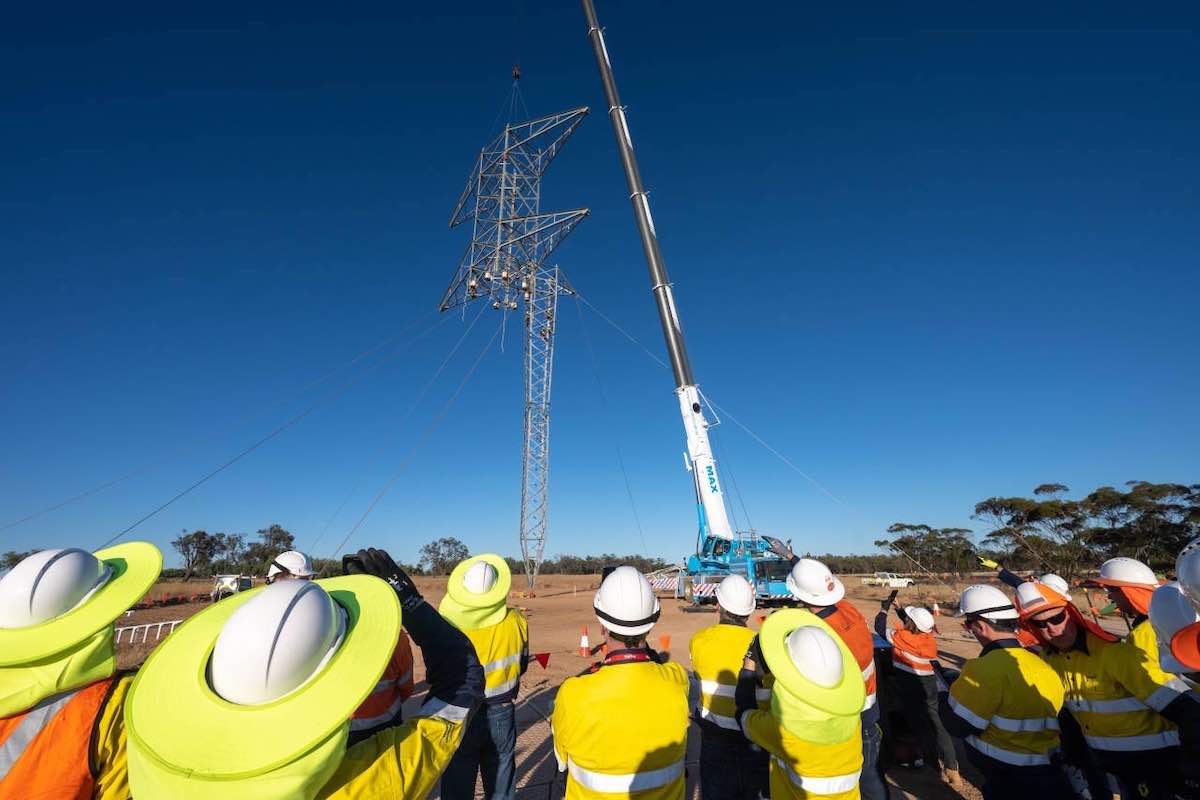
<point x="852" y="627"/>
<point x="48" y="751"/>
<point x="394" y="687"/>
<point x="913" y="651"/>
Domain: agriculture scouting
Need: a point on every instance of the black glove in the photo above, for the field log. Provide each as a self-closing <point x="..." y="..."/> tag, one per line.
<point x="891" y="598"/>
<point x="378" y="563"/>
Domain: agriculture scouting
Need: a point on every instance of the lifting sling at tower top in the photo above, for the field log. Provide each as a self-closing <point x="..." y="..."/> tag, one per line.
<point x="719" y="550"/>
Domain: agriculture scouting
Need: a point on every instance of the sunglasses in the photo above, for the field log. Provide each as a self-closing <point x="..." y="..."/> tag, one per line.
<point x="1057" y="619"/>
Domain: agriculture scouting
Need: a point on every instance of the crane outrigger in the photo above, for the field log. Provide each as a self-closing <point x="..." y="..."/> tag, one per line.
<point x="720" y="550"/>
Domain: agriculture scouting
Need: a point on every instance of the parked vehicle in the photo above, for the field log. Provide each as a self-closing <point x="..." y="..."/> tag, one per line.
<point x="889" y="580"/>
<point x="227" y="585"/>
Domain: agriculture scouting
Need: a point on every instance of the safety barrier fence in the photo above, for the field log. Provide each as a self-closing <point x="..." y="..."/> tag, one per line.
<point x="144" y="631"/>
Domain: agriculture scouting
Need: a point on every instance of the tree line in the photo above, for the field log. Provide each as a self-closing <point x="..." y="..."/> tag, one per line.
<point x="1050" y="532"/>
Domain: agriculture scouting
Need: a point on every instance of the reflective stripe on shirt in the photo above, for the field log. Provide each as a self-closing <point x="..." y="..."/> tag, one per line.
<point x="501" y="688"/>
<point x="719" y="719"/>
<point x="1106" y="706"/>
<point x="1170" y="691"/>
<point x="826" y="784"/>
<point x="622" y="784"/>
<point x="869" y="702"/>
<point x="27" y="730"/>
<point x="913" y="670"/>
<point x="1150" y="741"/>
<point x="501" y="663"/>
<point x="435" y="707"/>
<point x="725" y="690"/>
<point x="1008" y="756"/>
<point x="1029" y="725"/>
<point x="365" y="723"/>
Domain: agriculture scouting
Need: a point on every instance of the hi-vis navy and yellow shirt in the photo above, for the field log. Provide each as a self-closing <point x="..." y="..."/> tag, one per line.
<point x="1114" y="697"/>
<point x="620" y="730"/>
<point x="717" y="653"/>
<point x="1005" y="705"/>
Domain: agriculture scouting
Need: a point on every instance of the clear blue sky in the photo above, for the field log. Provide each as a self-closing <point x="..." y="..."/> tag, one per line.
<point x="930" y="254"/>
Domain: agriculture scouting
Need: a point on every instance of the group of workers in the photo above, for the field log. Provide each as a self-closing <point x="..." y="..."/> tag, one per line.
<point x="296" y="690"/>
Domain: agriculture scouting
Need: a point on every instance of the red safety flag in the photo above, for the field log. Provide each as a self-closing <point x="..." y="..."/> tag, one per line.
<point x="542" y="658"/>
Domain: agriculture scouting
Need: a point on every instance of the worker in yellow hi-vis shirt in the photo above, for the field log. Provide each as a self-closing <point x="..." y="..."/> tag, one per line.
<point x="1133" y="717"/>
<point x="812" y="731"/>
<point x="1005" y="703"/>
<point x="730" y="767"/>
<point x="620" y="729"/>
<point x="62" y="700"/>
<point x="251" y="698"/>
<point x="476" y="603"/>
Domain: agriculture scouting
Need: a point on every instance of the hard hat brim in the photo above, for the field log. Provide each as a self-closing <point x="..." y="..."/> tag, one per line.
<point x="827" y="599"/>
<point x="1185" y="646"/>
<point x="226" y="740"/>
<point x="843" y="699"/>
<point x="470" y="611"/>
<point x="135" y="567"/>
<point x="1113" y="583"/>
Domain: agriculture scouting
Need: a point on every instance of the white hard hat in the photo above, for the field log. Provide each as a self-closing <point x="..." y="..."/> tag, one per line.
<point x="480" y="578"/>
<point x="276" y="642"/>
<point x="812" y="582"/>
<point x="292" y="562"/>
<point x="1170" y="612"/>
<point x="816" y="655"/>
<point x="1058" y="583"/>
<point x="48" y="584"/>
<point x="736" y="595"/>
<point x="984" y="601"/>
<point x="625" y="603"/>
<point x="1122" y="571"/>
<point x="920" y="617"/>
<point x="1187" y="571"/>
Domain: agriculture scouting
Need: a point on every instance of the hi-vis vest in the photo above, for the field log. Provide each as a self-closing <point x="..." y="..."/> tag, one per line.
<point x="1014" y="697"/>
<point x="1143" y="639"/>
<point x="47" y="750"/>
<point x="717" y="654"/>
<point x="806" y="770"/>
<point x="850" y="625"/>
<point x="913" y="653"/>
<point x="500" y="648"/>
<point x="1115" y="698"/>
<point x="620" y="731"/>
<point x="395" y="686"/>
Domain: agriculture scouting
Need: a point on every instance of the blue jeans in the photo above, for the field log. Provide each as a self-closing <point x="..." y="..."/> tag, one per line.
<point x="731" y="768"/>
<point x="488" y="747"/>
<point x="870" y="784"/>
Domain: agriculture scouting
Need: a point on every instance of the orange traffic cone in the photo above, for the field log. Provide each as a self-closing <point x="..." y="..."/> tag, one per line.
<point x="761" y="619"/>
<point x="585" y="650"/>
<point x="664" y="642"/>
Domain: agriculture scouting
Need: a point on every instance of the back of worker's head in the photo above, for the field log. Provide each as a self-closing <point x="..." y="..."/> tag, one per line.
<point x="919" y="618"/>
<point x="1176" y="629"/>
<point x="275" y="643"/>
<point x="1057" y="583"/>
<point x="625" y="603"/>
<point x="735" y="597"/>
<point x="480" y="577"/>
<point x="48" y="584"/>
<point x="291" y="565"/>
<point x="812" y="583"/>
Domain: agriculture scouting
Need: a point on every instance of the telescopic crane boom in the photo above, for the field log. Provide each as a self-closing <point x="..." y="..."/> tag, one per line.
<point x="714" y="522"/>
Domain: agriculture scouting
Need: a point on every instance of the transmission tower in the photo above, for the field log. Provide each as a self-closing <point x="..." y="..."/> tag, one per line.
<point x="505" y="264"/>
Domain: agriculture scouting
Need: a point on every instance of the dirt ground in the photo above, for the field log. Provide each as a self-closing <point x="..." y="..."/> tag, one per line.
<point x="561" y="608"/>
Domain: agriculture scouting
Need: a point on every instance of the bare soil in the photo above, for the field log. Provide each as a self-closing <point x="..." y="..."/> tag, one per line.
<point x="562" y="607"/>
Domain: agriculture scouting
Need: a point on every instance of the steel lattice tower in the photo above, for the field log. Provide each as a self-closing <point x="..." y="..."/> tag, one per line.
<point x="505" y="263"/>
